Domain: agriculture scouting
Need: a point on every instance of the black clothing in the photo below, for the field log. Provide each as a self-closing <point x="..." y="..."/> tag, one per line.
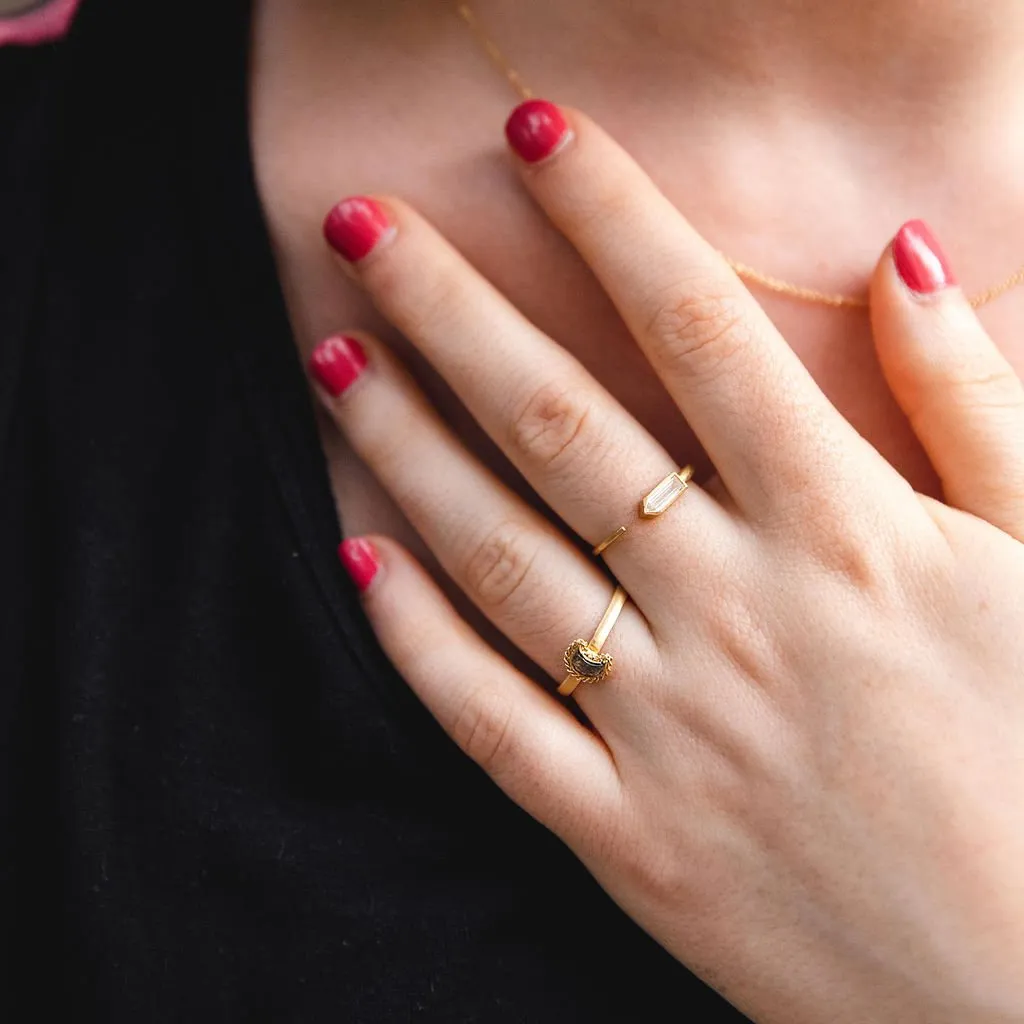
<point x="218" y="802"/>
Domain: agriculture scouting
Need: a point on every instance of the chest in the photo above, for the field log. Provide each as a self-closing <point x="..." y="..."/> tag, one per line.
<point x="370" y="108"/>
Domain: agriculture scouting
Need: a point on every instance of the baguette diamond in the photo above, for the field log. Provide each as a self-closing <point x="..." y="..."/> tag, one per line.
<point x="669" y="490"/>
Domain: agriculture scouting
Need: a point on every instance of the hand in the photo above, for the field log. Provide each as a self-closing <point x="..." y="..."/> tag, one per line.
<point x="805" y="776"/>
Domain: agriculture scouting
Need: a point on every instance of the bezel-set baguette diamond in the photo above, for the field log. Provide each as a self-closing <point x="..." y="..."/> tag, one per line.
<point x="670" y="490"/>
<point x="653" y="504"/>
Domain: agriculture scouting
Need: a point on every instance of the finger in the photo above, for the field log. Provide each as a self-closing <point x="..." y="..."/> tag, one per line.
<point x="528" y="743"/>
<point x="746" y="395"/>
<point x="961" y="395"/>
<point x="578" y="448"/>
<point x="535" y="586"/>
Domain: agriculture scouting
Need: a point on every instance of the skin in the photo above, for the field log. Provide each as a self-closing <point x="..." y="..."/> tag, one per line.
<point x="392" y="97"/>
<point x="798" y="780"/>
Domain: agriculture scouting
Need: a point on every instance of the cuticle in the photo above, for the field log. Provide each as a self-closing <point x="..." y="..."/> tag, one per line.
<point x="564" y="142"/>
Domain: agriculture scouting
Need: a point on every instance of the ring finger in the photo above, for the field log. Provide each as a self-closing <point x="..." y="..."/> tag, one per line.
<point x="515" y="566"/>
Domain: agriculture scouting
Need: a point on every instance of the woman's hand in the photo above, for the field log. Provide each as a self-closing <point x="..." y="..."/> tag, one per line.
<point x="806" y="775"/>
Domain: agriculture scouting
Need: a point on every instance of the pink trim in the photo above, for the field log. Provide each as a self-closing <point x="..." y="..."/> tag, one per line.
<point x="43" y="25"/>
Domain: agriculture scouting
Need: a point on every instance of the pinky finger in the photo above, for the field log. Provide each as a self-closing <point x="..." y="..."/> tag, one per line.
<point x="527" y="742"/>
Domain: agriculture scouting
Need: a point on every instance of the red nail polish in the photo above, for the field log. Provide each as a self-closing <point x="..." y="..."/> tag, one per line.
<point x="535" y="129"/>
<point x="355" y="226"/>
<point x="919" y="259"/>
<point x="336" y="363"/>
<point x="361" y="560"/>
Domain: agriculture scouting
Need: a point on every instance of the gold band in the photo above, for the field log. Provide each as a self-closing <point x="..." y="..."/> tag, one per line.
<point x="653" y="504"/>
<point x="610" y="540"/>
<point x="583" y="658"/>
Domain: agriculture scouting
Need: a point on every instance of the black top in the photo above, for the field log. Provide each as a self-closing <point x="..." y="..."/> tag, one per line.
<point x="218" y="802"/>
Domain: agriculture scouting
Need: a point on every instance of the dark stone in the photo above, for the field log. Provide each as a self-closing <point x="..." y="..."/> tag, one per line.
<point x="584" y="665"/>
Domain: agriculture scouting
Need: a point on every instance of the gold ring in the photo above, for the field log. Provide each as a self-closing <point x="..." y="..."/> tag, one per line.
<point x="652" y="504"/>
<point x="583" y="658"/>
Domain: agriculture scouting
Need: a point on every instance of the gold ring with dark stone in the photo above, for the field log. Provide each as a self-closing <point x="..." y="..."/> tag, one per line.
<point x="583" y="658"/>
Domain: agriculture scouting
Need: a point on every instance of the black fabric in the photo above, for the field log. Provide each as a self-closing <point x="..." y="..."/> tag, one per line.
<point x="217" y="800"/>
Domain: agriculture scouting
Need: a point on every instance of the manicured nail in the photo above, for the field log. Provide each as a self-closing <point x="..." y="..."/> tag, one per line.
<point x="337" y="362"/>
<point x="535" y="129"/>
<point x="355" y="226"/>
<point x="361" y="560"/>
<point x="919" y="259"/>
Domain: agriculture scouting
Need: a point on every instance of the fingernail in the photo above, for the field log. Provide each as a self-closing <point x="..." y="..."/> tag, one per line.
<point x="355" y="226"/>
<point x="361" y="560"/>
<point x="535" y="129"/>
<point x="337" y="362"/>
<point x="919" y="259"/>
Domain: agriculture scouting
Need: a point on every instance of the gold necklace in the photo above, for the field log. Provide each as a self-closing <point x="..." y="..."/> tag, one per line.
<point x="748" y="273"/>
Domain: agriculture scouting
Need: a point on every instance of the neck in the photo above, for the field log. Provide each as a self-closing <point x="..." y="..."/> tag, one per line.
<point x="862" y="56"/>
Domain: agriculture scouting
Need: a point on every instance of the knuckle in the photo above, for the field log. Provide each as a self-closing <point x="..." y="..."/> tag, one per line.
<point x="862" y="552"/>
<point x="552" y="426"/>
<point x="614" y="203"/>
<point x="699" y="334"/>
<point x="664" y="868"/>
<point x="854" y="563"/>
<point x="417" y="296"/>
<point x="483" y="729"/>
<point x="498" y="566"/>
<point x="383" y="441"/>
<point x="738" y="629"/>
<point x="965" y="388"/>
<point x="835" y="531"/>
<point x="744" y="641"/>
<point x="999" y="390"/>
<point x="428" y="303"/>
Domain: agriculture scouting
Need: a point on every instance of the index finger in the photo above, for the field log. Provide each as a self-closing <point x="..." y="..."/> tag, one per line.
<point x="749" y="399"/>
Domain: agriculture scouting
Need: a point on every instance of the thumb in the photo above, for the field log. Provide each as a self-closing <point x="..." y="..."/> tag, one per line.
<point x="962" y="397"/>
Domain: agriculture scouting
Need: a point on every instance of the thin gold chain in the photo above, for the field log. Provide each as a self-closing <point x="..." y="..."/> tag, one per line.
<point x="772" y="284"/>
